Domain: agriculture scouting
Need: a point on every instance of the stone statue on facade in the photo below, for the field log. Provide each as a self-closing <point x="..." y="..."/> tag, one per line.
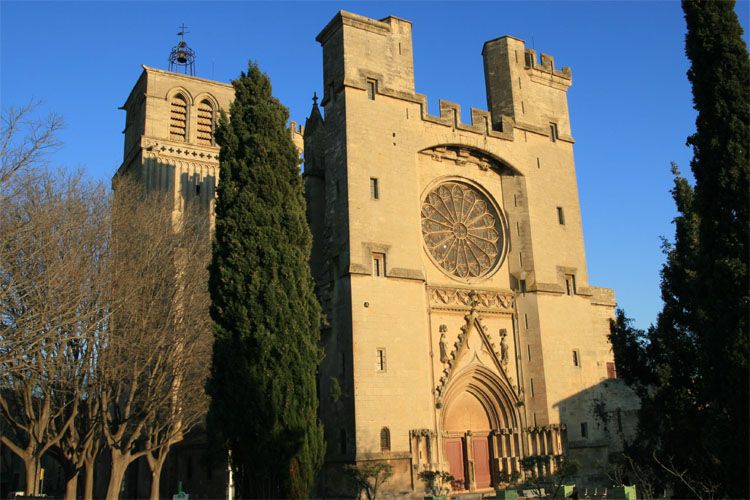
<point x="443" y="344"/>
<point x="503" y="347"/>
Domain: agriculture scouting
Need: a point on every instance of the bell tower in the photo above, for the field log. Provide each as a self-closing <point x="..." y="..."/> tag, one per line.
<point x="170" y="120"/>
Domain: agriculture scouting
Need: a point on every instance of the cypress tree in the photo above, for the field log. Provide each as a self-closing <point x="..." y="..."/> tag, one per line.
<point x="691" y="368"/>
<point x="265" y="314"/>
<point x="720" y="78"/>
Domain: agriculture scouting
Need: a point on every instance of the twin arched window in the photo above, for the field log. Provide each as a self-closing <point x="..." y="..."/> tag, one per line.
<point x="178" y="120"/>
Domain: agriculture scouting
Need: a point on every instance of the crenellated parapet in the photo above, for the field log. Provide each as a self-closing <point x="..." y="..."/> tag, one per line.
<point x="544" y="71"/>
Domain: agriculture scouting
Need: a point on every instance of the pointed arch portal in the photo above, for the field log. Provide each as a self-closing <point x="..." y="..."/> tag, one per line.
<point x="481" y="428"/>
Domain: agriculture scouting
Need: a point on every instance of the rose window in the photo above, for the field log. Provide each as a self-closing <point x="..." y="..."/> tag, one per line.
<point x="461" y="230"/>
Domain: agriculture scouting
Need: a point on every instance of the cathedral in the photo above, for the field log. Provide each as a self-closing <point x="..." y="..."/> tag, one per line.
<point x="463" y="334"/>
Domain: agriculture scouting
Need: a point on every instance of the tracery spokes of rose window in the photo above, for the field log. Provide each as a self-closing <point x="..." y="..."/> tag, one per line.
<point x="461" y="230"/>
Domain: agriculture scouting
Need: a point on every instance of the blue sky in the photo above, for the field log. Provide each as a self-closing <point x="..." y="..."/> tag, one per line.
<point x="630" y="103"/>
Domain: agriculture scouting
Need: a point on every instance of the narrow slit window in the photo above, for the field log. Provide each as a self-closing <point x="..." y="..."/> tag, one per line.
<point x="380" y="359"/>
<point x="561" y="216"/>
<point x="371" y="88"/>
<point x="531" y="386"/>
<point x="584" y="430"/>
<point x="528" y="350"/>
<point x="522" y="286"/>
<point x="553" y="132"/>
<point x="378" y="265"/>
<point x="374" y="189"/>
<point x="576" y="358"/>
<point x="570" y="284"/>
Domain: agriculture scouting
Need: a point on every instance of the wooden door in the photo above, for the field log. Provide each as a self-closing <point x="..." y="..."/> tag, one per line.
<point x="454" y="449"/>
<point x="481" y="448"/>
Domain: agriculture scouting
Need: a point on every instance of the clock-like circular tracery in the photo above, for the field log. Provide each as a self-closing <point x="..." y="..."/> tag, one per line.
<point x="462" y="230"/>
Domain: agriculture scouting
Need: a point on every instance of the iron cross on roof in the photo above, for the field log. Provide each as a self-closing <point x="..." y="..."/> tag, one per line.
<point x="183" y="30"/>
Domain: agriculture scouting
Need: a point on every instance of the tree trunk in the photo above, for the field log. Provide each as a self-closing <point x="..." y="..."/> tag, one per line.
<point x="88" y="485"/>
<point x="155" y="481"/>
<point x="116" y="474"/>
<point x="156" y="465"/>
<point x="32" y="469"/>
<point x="71" y="487"/>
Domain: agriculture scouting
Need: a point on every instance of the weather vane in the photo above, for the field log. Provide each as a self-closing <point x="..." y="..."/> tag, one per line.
<point x="182" y="57"/>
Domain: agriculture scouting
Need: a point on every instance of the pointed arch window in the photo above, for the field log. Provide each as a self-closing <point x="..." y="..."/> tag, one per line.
<point x="385" y="439"/>
<point x="206" y="121"/>
<point x="178" y="118"/>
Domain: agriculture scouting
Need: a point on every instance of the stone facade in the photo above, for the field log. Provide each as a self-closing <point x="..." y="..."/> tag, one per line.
<point x="462" y="332"/>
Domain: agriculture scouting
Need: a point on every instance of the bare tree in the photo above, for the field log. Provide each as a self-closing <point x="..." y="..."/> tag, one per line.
<point x="52" y="263"/>
<point x="26" y="140"/>
<point x="157" y="355"/>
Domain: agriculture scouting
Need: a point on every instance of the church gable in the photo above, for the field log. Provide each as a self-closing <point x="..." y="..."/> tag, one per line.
<point x="474" y="348"/>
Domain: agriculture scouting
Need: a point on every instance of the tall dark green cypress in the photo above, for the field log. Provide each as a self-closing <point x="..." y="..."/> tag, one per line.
<point x="266" y="317"/>
<point x="720" y="77"/>
<point x="691" y="368"/>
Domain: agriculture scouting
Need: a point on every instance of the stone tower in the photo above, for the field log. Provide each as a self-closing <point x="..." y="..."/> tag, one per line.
<point x="463" y="332"/>
<point x="169" y="124"/>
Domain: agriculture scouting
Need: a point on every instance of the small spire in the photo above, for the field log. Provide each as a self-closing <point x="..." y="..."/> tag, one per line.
<point x="315" y="98"/>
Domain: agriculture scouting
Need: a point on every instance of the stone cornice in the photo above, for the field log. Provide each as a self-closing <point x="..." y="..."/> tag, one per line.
<point x="180" y="150"/>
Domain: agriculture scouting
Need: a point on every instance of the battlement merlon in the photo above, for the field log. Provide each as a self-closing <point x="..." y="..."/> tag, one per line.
<point x="533" y="92"/>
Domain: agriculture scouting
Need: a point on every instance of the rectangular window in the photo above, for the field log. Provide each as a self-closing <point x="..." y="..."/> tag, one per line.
<point x="381" y="366"/>
<point x="374" y="189"/>
<point x="531" y="386"/>
<point x="570" y="284"/>
<point x="197" y="189"/>
<point x="553" y="132"/>
<point x="584" y="430"/>
<point x="576" y="358"/>
<point x="611" y="370"/>
<point x="522" y="285"/>
<point x="560" y="216"/>
<point x="528" y="350"/>
<point x="378" y="264"/>
<point x="371" y="88"/>
<point x="526" y="320"/>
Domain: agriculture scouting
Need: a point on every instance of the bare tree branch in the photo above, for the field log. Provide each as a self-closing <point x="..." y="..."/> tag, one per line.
<point x="25" y="140"/>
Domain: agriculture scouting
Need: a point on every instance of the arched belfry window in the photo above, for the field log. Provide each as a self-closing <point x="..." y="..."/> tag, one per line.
<point x="385" y="439"/>
<point x="206" y="122"/>
<point x="178" y="118"/>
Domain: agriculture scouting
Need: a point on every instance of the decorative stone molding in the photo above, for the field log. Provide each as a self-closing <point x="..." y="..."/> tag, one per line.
<point x="460" y="299"/>
<point x="180" y="150"/>
<point x="422" y="433"/>
<point x="473" y="320"/>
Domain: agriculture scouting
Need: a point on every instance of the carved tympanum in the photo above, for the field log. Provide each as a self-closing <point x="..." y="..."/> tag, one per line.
<point x="461" y="230"/>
